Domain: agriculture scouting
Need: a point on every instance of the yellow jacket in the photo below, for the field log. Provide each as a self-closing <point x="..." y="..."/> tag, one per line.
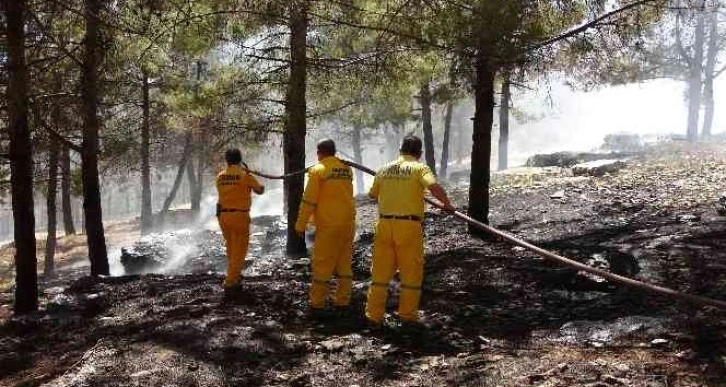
<point x="234" y="186"/>
<point x="328" y="195"/>
<point x="399" y="187"/>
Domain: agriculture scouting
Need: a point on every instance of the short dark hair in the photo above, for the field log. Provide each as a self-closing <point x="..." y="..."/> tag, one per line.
<point x="233" y="156"/>
<point x="327" y="147"/>
<point x="411" y="145"/>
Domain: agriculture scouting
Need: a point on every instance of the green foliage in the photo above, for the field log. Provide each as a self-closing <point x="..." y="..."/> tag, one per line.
<point x="76" y="182"/>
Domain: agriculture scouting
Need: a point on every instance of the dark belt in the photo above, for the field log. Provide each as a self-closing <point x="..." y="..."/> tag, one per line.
<point x="221" y="210"/>
<point x="415" y="218"/>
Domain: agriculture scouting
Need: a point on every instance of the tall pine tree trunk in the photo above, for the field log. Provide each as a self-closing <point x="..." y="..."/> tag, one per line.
<point x="428" y="131"/>
<point x="295" y="126"/>
<point x="197" y="199"/>
<point x="147" y="217"/>
<point x="21" y="159"/>
<point x="460" y="152"/>
<point x="708" y="75"/>
<point x="358" y="158"/>
<point x="191" y="179"/>
<point x="694" y="79"/>
<point x="481" y="148"/>
<point x="504" y="122"/>
<point x="181" y="167"/>
<point x="447" y="135"/>
<point x="50" y="241"/>
<point x="66" y="203"/>
<point x="93" y="213"/>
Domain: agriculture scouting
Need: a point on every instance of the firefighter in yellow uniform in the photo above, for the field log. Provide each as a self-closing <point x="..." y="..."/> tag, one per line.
<point x="235" y="186"/>
<point x="328" y="197"/>
<point x="398" y="245"/>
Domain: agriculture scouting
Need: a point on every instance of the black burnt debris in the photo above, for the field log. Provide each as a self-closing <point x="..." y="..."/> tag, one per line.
<point x="197" y="250"/>
<point x="493" y="314"/>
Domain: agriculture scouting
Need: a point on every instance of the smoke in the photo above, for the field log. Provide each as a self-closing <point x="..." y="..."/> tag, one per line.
<point x="180" y="253"/>
<point x="578" y="121"/>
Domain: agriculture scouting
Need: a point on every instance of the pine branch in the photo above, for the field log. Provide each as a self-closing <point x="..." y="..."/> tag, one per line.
<point x="679" y="44"/>
<point x="70" y="144"/>
<point x="55" y="41"/>
<point x="591" y="24"/>
<point x="719" y="72"/>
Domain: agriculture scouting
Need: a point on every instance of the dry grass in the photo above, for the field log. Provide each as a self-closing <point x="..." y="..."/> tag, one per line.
<point x="69" y="249"/>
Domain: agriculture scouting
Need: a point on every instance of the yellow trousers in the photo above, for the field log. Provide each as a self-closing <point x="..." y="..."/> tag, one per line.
<point x="236" y="231"/>
<point x="398" y="245"/>
<point x="332" y="253"/>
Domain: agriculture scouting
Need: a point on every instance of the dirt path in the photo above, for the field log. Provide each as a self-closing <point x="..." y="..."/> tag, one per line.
<point x="496" y="315"/>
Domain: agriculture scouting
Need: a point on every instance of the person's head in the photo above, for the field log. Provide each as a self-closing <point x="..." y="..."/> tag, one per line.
<point x="326" y="148"/>
<point x="411" y="146"/>
<point x="233" y="156"/>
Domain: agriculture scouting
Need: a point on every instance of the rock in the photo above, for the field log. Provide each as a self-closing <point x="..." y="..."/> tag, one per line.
<point x="597" y="168"/>
<point x="689" y="218"/>
<point x="659" y="342"/>
<point x="612" y="380"/>
<point x="568" y="159"/>
<point x="139" y="259"/>
<point x="721" y="205"/>
<point x="301" y="381"/>
<point x="623" y="142"/>
<point x="54" y="290"/>
<point x="558" y="195"/>
<point x="141" y="374"/>
<point x="333" y="345"/>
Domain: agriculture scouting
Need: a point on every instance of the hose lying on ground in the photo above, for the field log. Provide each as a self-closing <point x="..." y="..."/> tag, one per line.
<point x="698" y="300"/>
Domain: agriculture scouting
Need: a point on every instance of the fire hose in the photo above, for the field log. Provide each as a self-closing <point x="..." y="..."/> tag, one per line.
<point x="694" y="299"/>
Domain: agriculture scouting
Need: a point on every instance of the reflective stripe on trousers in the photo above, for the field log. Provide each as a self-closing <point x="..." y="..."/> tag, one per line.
<point x="236" y="231"/>
<point x="398" y="245"/>
<point x="332" y="253"/>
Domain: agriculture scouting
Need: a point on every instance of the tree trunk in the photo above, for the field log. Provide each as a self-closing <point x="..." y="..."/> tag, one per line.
<point x="295" y="127"/>
<point x="179" y="174"/>
<point x="447" y="135"/>
<point x="358" y="158"/>
<point x="709" y="70"/>
<point x="694" y="80"/>
<point x="504" y="122"/>
<point x="147" y="217"/>
<point x="21" y="160"/>
<point x="67" y="208"/>
<point x="199" y="187"/>
<point x="460" y="152"/>
<point x="428" y="132"/>
<point x="393" y="140"/>
<point x="89" y="156"/>
<point x="192" y="180"/>
<point x="50" y="241"/>
<point x="481" y="148"/>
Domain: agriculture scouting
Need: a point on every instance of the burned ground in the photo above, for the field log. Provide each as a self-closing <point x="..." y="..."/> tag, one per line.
<point x="496" y="314"/>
